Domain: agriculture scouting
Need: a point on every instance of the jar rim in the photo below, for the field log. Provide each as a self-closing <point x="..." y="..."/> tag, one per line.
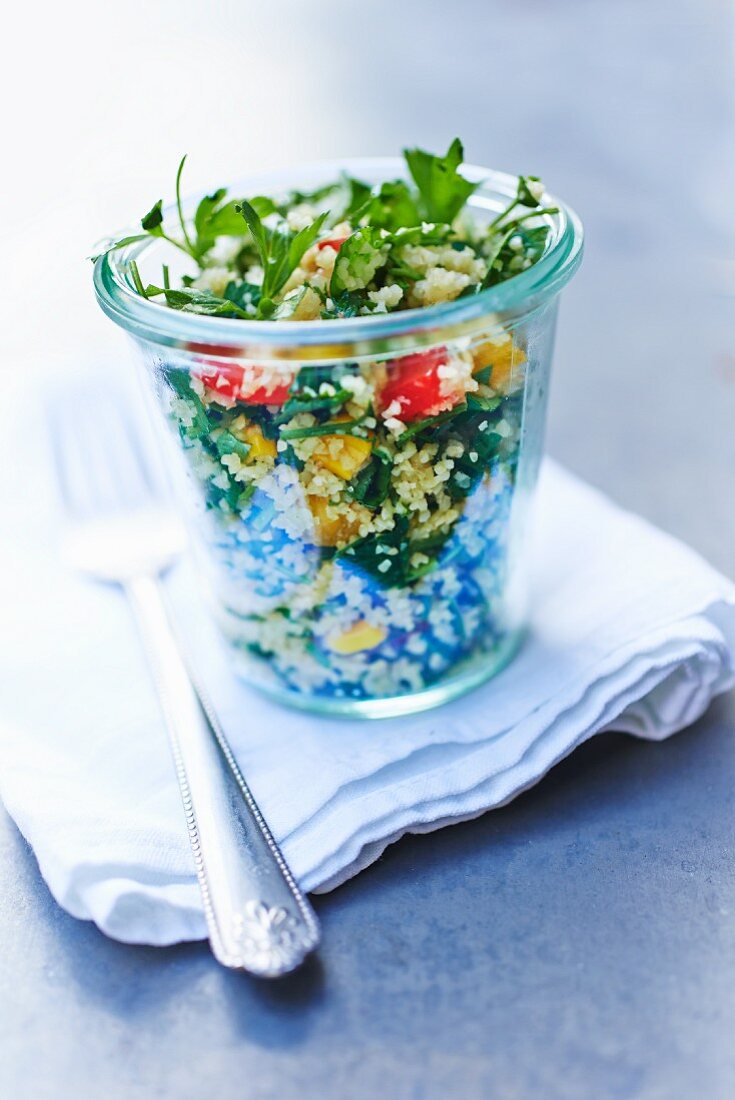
<point x="519" y="295"/>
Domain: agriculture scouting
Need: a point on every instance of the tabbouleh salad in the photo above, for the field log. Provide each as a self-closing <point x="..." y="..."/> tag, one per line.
<point x="358" y="514"/>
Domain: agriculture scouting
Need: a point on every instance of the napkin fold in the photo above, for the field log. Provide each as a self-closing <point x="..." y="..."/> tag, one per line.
<point x="630" y="630"/>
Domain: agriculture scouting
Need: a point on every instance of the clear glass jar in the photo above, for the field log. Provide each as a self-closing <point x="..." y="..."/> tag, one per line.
<point x="347" y="577"/>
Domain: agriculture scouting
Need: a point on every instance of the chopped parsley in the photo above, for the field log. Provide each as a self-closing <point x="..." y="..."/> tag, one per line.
<point x="346" y="241"/>
<point x="279" y="250"/>
<point x="443" y="190"/>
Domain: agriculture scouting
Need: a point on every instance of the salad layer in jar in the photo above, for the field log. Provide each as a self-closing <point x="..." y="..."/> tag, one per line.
<point x="358" y="513"/>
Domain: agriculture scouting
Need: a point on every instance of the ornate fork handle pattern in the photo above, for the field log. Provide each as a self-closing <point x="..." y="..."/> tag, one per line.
<point x="257" y="917"/>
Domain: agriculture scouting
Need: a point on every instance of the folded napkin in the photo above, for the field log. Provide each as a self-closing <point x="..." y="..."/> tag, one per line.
<point x="630" y="631"/>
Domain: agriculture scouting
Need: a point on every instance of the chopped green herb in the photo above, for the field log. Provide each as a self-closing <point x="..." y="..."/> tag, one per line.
<point x="280" y="250"/>
<point x="228" y="444"/>
<point x="383" y="555"/>
<point x="347" y="304"/>
<point x="290" y="304"/>
<point x="179" y="381"/>
<point x="483" y="404"/>
<point x="189" y="300"/>
<point x="358" y="259"/>
<point x="245" y="295"/>
<point x="152" y="222"/>
<point x="137" y="279"/>
<point x="381" y="219"/>
<point x="333" y="427"/>
<point x="389" y="206"/>
<point x="319" y="403"/>
<point x="216" y="217"/>
<point x="443" y="190"/>
<point x="358" y="194"/>
<point x="372" y="484"/>
<point x="430" y="422"/>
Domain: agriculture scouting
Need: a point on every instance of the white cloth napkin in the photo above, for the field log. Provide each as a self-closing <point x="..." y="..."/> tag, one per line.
<point x="630" y="630"/>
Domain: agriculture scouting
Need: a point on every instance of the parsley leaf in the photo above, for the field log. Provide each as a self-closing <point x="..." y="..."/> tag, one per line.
<point x="386" y="555"/>
<point x="228" y="444"/>
<point x="215" y="217"/>
<point x="390" y="206"/>
<point x="371" y="485"/>
<point x="358" y="193"/>
<point x="347" y="304"/>
<point x="243" y="294"/>
<point x="280" y="251"/>
<point x="189" y="300"/>
<point x="153" y="220"/>
<point x="304" y="239"/>
<point x="290" y="303"/>
<point x="152" y="226"/>
<point x="122" y="243"/>
<point x="383" y="556"/>
<point x="504" y="261"/>
<point x="530" y="191"/>
<point x="442" y="190"/>
<point x="180" y="383"/>
<point x="359" y="257"/>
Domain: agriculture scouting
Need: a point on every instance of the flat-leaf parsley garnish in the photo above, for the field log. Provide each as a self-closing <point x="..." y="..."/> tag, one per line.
<point x="279" y="250"/>
<point x="344" y="249"/>
<point x="442" y="189"/>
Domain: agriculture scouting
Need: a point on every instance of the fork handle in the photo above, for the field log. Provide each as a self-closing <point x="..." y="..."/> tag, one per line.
<point x="258" y="919"/>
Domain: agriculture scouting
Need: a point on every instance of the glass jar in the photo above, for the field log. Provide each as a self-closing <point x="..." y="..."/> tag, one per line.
<point x="376" y="567"/>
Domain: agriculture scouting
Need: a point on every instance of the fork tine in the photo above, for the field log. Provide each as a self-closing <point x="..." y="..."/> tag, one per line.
<point x="70" y="486"/>
<point x="99" y="443"/>
<point x="101" y="459"/>
<point x="142" y="458"/>
<point x="76" y="474"/>
<point x="111" y="438"/>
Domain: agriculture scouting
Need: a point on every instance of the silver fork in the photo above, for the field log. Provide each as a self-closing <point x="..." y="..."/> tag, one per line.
<point x="122" y="531"/>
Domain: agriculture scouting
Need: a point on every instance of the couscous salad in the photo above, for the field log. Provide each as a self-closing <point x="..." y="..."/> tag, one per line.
<point x="358" y="514"/>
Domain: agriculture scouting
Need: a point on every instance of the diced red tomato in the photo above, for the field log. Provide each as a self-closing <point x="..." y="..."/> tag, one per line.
<point x="262" y="395"/>
<point x="414" y="384"/>
<point x="240" y="382"/>
<point x="224" y="378"/>
<point x="332" y="242"/>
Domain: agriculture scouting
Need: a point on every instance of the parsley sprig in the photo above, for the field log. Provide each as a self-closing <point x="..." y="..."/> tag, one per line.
<point x="503" y="259"/>
<point x="425" y="209"/>
<point x="443" y="191"/>
<point x="214" y="217"/>
<point x="280" y="252"/>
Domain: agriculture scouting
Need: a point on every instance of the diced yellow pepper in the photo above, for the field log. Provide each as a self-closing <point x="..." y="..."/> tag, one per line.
<point x="505" y="358"/>
<point x="260" y="447"/>
<point x="342" y="455"/>
<point x="335" y="526"/>
<point x="359" y="637"/>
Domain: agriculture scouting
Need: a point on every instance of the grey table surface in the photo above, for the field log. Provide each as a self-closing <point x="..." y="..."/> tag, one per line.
<point x="581" y="941"/>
